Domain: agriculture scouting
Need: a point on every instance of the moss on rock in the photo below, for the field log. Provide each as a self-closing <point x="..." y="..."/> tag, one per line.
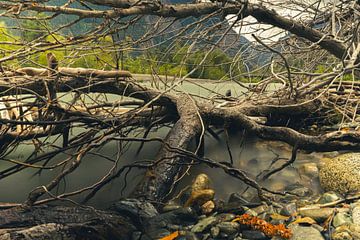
<point x="341" y="174"/>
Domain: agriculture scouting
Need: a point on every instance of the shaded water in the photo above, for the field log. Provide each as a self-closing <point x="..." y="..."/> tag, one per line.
<point x="252" y="156"/>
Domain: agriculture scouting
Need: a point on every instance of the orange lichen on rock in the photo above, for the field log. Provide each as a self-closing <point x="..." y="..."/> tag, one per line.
<point x="268" y="229"/>
<point x="172" y="236"/>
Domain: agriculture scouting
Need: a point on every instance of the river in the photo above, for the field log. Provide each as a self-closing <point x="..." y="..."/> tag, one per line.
<point x="252" y="156"/>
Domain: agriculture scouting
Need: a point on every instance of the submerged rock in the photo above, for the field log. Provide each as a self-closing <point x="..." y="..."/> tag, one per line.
<point x="204" y="224"/>
<point x="346" y="232"/>
<point x="228" y="227"/>
<point x="200" y="191"/>
<point x="341" y="174"/>
<point x="309" y="169"/>
<point x="319" y="215"/>
<point x="329" y="197"/>
<point x="341" y="218"/>
<point x="207" y="207"/>
<point x="289" y="209"/>
<point x="355" y="213"/>
<point x="253" y="235"/>
<point x="301" y="233"/>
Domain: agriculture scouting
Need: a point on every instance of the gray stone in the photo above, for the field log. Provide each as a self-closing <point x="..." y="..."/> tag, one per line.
<point x="318" y="227"/>
<point x="158" y="226"/>
<point x="136" y="235"/>
<point x="299" y="190"/>
<point x="301" y="233"/>
<point x="170" y="207"/>
<point x="206" y="236"/>
<point x="224" y="236"/>
<point x="135" y="208"/>
<point x="228" y="227"/>
<point x="251" y="234"/>
<point x="215" y="231"/>
<point x="341" y="218"/>
<point x="355" y="213"/>
<point x="250" y="211"/>
<point x="225" y="217"/>
<point x="190" y="236"/>
<point x="288" y="209"/>
<point x="203" y="224"/>
<point x="261" y="209"/>
<point x="157" y="232"/>
<point x="309" y="169"/>
<point x="329" y="197"/>
<point x="346" y="232"/>
<point x="319" y="215"/>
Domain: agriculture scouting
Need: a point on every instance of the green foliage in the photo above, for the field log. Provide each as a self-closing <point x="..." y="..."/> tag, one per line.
<point x="34" y="29"/>
<point x="100" y="54"/>
<point x="181" y="61"/>
<point x="7" y="43"/>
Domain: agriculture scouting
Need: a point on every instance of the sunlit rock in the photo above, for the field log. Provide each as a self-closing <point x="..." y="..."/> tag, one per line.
<point x="341" y="174"/>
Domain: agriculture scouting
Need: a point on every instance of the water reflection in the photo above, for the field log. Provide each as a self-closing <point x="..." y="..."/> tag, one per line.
<point x="252" y="155"/>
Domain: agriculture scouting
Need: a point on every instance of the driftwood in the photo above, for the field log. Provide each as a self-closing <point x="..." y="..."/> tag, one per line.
<point x="47" y="222"/>
<point x="191" y="118"/>
<point x="76" y="72"/>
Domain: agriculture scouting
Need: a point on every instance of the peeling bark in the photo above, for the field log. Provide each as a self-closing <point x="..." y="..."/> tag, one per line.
<point x="46" y="222"/>
<point x="159" y="181"/>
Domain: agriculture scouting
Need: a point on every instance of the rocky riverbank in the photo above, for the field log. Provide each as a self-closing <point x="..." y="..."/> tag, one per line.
<point x="298" y="214"/>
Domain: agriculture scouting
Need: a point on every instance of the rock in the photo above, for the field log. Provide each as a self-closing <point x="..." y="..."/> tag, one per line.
<point x="250" y="211"/>
<point x="238" y="198"/>
<point x="170" y="207"/>
<point x="251" y="234"/>
<point x="341" y="218"/>
<point x="199" y="197"/>
<point x="288" y="209"/>
<point x="309" y="169"/>
<point x="341" y="174"/>
<point x="157" y="232"/>
<point x="206" y="236"/>
<point x="232" y="207"/>
<point x="223" y="236"/>
<point x="355" y="231"/>
<point x="200" y="191"/>
<point x="301" y="233"/>
<point x="228" y="227"/>
<point x="355" y="213"/>
<point x="345" y="232"/>
<point x="318" y="227"/>
<point x="137" y="210"/>
<point x="202" y="181"/>
<point x="262" y="209"/>
<point x="239" y="238"/>
<point x="135" y="236"/>
<point x="329" y="197"/>
<point x="299" y="190"/>
<point x="181" y="216"/>
<point x="158" y="226"/>
<point x="225" y="217"/>
<point x="319" y="214"/>
<point x="203" y="224"/>
<point x="215" y="231"/>
<point x="190" y="236"/>
<point x="207" y="207"/>
<point x="341" y="236"/>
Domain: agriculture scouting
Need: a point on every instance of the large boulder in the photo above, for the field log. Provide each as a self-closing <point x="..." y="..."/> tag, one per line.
<point x="341" y="174"/>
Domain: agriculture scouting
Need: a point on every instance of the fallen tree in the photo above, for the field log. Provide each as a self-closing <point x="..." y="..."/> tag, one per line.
<point x="302" y="95"/>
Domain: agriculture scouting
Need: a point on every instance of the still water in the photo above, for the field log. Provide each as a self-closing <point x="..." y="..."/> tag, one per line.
<point x="252" y="155"/>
